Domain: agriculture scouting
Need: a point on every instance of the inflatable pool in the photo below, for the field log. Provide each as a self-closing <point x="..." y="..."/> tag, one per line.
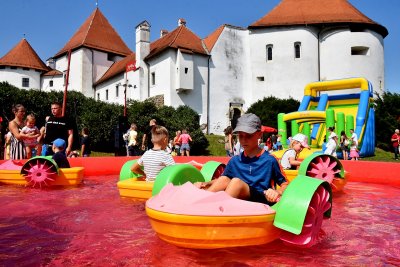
<point x="131" y="185"/>
<point x="190" y="217"/>
<point x="39" y="172"/>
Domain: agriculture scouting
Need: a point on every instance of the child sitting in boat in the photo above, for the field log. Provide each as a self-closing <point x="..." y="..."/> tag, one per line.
<point x="253" y="174"/>
<point x="59" y="154"/>
<point x="156" y="158"/>
<point x="289" y="158"/>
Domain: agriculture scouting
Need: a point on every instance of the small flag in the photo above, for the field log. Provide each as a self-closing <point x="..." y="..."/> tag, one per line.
<point x="131" y="65"/>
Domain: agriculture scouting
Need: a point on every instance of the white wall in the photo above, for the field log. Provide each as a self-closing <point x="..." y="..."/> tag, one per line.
<point x="58" y="83"/>
<point x="229" y="72"/>
<point x="184" y="71"/>
<point x="337" y="61"/>
<point x="86" y="67"/>
<point x="163" y="66"/>
<point x="14" y="77"/>
<point x="284" y="76"/>
<point x="110" y="85"/>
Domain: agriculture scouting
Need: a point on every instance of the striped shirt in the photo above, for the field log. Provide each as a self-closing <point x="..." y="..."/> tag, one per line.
<point x="17" y="147"/>
<point x="153" y="161"/>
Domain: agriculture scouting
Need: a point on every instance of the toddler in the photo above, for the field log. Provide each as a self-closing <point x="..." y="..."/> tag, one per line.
<point x="289" y="158"/>
<point x="31" y="142"/>
<point x="59" y="154"/>
<point x="354" y="150"/>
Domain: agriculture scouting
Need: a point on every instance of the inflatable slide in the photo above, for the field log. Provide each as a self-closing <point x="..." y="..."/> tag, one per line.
<point x="345" y="104"/>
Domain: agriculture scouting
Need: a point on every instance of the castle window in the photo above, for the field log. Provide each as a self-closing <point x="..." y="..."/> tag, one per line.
<point x="186" y="70"/>
<point x="153" y="78"/>
<point x="51" y="83"/>
<point x="65" y="77"/>
<point x="269" y="52"/>
<point x="117" y="90"/>
<point x="360" y="51"/>
<point x="107" y="94"/>
<point x="25" y="82"/>
<point x="260" y="78"/>
<point x="98" y="96"/>
<point x="297" y="49"/>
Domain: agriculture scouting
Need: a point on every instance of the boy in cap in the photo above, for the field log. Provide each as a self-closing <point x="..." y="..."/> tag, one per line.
<point x="289" y="158"/>
<point x="253" y="174"/>
<point x="59" y="154"/>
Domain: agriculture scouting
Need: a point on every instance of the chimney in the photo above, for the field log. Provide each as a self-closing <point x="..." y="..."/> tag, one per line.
<point x="51" y="63"/>
<point x="163" y="33"/>
<point x="142" y="42"/>
<point x="181" y="22"/>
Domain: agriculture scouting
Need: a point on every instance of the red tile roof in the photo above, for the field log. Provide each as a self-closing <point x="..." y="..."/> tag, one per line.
<point x="181" y="38"/>
<point x="97" y="33"/>
<point x="23" y="55"/>
<point x="306" y="12"/>
<point x="53" y="73"/>
<point x="210" y="40"/>
<point x="116" y="68"/>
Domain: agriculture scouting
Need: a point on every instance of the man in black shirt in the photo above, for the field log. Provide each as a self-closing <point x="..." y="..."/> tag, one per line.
<point x="57" y="126"/>
<point x="146" y="141"/>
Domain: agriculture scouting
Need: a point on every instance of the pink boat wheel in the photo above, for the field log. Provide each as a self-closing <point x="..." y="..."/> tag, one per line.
<point x="319" y="204"/>
<point x="323" y="167"/>
<point x="39" y="172"/>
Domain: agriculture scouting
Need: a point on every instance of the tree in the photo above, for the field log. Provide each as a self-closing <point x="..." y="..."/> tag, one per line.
<point x="387" y="118"/>
<point x="269" y="108"/>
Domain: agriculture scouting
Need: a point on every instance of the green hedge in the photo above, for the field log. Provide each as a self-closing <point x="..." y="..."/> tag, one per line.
<point x="102" y="118"/>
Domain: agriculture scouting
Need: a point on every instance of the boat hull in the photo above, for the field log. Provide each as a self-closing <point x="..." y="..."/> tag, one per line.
<point x="134" y="188"/>
<point x="66" y="177"/>
<point x="209" y="232"/>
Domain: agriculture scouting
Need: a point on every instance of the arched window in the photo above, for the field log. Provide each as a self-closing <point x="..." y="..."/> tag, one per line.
<point x="297" y="50"/>
<point x="269" y="52"/>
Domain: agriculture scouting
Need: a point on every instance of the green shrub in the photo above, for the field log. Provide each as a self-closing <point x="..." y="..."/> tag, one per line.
<point x="102" y="118"/>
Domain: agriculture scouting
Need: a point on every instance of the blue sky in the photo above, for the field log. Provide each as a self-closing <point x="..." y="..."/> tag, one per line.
<point x="49" y="24"/>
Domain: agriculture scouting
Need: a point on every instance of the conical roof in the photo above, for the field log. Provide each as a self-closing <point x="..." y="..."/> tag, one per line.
<point x="97" y="33"/>
<point x="308" y="12"/>
<point x="23" y="55"/>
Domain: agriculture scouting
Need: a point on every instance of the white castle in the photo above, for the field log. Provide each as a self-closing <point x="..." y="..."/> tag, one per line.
<point x="219" y="76"/>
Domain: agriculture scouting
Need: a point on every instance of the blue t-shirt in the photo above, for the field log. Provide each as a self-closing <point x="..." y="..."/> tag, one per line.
<point x="257" y="172"/>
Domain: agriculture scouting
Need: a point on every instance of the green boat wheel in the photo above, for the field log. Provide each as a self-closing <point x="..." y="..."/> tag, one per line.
<point x="177" y="175"/>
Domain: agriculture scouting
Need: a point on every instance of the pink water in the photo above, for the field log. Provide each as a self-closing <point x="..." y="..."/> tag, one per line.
<point x="92" y="225"/>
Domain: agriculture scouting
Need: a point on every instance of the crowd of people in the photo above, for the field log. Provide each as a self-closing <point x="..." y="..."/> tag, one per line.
<point x="252" y="173"/>
<point x="178" y="146"/>
<point x="24" y="139"/>
<point x="348" y="145"/>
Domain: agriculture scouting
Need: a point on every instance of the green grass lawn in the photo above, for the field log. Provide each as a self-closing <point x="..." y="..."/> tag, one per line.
<point x="216" y="148"/>
<point x="381" y="155"/>
<point x="216" y="145"/>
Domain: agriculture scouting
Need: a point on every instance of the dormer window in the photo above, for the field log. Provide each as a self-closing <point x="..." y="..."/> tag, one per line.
<point x="269" y="52"/>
